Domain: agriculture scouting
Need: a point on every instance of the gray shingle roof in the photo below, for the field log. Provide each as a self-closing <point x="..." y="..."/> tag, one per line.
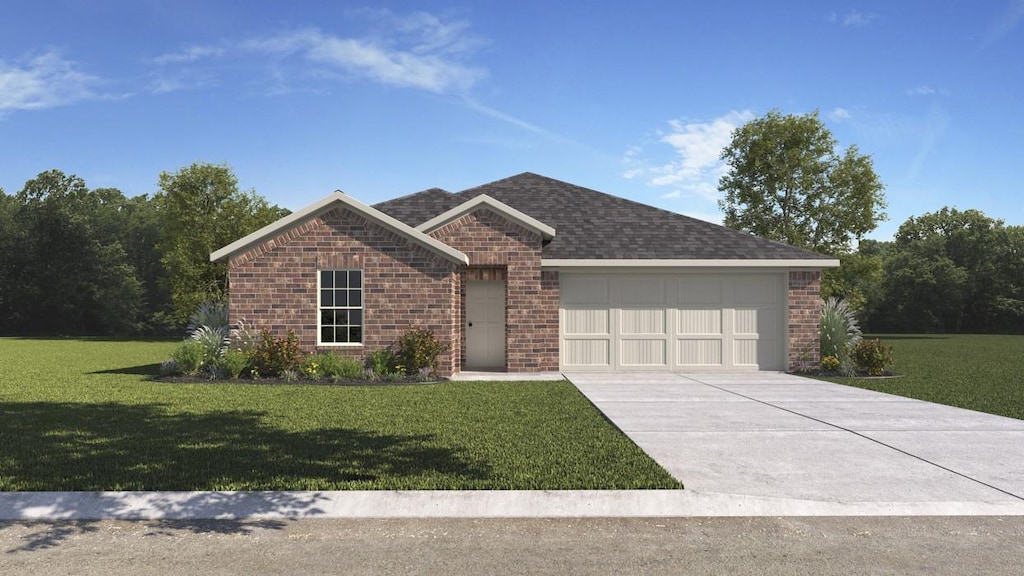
<point x="595" y="225"/>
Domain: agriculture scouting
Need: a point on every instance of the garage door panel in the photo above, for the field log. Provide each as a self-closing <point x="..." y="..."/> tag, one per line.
<point x="643" y="353"/>
<point x="755" y="290"/>
<point x="580" y="289"/>
<point x="643" y="321"/>
<point x="642" y="291"/>
<point x="699" y="352"/>
<point x="696" y="321"/>
<point x="696" y="290"/>
<point x="587" y="321"/>
<point x="587" y="353"/>
<point x="754" y="353"/>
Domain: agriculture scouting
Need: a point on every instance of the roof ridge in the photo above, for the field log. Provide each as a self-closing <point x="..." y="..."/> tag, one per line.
<point x="434" y="189"/>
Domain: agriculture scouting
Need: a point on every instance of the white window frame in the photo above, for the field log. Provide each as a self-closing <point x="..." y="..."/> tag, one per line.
<point x="320" y="307"/>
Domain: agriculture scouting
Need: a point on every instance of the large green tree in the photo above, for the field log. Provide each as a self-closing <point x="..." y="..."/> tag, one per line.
<point x="786" y="182"/>
<point x="953" y="271"/>
<point x="67" y="271"/>
<point x="201" y="209"/>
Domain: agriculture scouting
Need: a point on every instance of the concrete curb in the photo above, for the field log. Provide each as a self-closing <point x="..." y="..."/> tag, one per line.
<point x="451" y="504"/>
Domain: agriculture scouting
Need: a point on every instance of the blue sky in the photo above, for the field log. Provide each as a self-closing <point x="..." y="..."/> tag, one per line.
<point x="633" y="98"/>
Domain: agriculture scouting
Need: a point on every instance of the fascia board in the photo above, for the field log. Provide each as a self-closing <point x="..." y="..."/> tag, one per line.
<point x="501" y="208"/>
<point x="326" y="205"/>
<point x="688" y="263"/>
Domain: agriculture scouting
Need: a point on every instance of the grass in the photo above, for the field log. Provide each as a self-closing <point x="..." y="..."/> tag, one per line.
<point x="83" y="415"/>
<point x="978" y="372"/>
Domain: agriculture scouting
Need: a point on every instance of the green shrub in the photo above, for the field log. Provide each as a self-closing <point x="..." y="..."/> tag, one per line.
<point x="212" y="314"/>
<point x="349" y="368"/>
<point x="331" y="365"/>
<point x="169" y="367"/>
<point x="418" y="350"/>
<point x="872" y="356"/>
<point x="189" y="356"/>
<point x="382" y="362"/>
<point x="274" y="356"/>
<point x="232" y="363"/>
<point x="839" y="330"/>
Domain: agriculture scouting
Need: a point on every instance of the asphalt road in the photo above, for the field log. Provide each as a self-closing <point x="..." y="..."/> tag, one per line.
<point x="848" y="545"/>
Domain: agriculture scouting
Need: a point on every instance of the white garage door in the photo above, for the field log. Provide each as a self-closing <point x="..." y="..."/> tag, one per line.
<point x="672" y="321"/>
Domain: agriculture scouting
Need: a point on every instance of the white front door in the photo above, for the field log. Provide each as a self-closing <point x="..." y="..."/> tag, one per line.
<point x="485" y="325"/>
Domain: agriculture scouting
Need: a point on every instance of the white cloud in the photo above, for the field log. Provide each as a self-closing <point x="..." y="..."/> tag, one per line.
<point x="839" y="114"/>
<point x="45" y="81"/>
<point x="694" y="168"/>
<point x="922" y="91"/>
<point x="697" y="146"/>
<point x="1004" y="25"/>
<point x="190" y="54"/>
<point x="852" y="18"/>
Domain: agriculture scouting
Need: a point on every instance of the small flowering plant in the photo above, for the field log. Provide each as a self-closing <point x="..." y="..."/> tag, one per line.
<point x="830" y="364"/>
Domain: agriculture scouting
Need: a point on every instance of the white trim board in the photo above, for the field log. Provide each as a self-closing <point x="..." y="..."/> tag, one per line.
<point x="688" y="263"/>
<point x="483" y="200"/>
<point x="326" y="205"/>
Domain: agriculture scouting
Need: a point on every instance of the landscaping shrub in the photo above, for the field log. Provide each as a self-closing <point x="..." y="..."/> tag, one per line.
<point x="331" y="365"/>
<point x="212" y="314"/>
<point x="244" y="338"/>
<point x="274" y="356"/>
<point x="189" y="356"/>
<point x="232" y="363"/>
<point x="830" y="364"/>
<point x="839" y="331"/>
<point x="872" y="356"/>
<point x="418" y="350"/>
<point x="214" y="340"/>
<point x="382" y="362"/>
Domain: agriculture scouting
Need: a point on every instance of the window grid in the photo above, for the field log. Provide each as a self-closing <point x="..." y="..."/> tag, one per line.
<point x="341" y="307"/>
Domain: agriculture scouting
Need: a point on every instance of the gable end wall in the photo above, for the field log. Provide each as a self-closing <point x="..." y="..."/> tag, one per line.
<point x="274" y="285"/>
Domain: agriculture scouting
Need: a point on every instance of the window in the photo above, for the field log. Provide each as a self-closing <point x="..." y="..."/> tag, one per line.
<point x="341" y="307"/>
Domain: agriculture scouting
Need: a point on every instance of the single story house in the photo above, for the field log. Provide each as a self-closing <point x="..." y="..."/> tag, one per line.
<point x="529" y="274"/>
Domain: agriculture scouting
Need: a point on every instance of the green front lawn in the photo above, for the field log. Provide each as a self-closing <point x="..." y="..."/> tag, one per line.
<point x="83" y="415"/>
<point x="978" y="372"/>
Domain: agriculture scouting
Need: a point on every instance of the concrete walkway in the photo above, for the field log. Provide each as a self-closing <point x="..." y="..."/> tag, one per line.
<point x="779" y="436"/>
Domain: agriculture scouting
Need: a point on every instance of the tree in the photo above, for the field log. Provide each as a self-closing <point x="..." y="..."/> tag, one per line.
<point x="70" y="273"/>
<point x="786" y="182"/>
<point x="953" y="271"/>
<point x="201" y="210"/>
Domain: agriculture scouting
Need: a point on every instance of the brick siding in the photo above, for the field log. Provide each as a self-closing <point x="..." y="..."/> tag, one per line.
<point x="804" y="318"/>
<point x="274" y="285"/>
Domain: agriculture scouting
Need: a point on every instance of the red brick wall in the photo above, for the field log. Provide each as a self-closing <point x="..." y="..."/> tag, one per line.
<point x="531" y="298"/>
<point x="804" y="318"/>
<point x="274" y="285"/>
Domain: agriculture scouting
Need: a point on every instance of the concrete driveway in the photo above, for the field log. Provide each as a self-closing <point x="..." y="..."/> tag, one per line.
<point x="783" y="436"/>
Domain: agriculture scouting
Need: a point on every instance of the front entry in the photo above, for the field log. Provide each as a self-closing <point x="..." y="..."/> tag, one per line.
<point x="485" y="325"/>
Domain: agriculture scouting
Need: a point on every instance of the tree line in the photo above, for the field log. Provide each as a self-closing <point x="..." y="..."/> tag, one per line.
<point x="81" y="261"/>
<point x="945" y="271"/>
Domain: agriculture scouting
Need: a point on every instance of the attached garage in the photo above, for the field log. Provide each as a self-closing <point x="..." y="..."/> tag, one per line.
<point x="673" y="321"/>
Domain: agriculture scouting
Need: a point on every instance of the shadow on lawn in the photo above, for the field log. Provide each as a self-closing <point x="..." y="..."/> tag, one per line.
<point x="141" y="370"/>
<point x="97" y="447"/>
